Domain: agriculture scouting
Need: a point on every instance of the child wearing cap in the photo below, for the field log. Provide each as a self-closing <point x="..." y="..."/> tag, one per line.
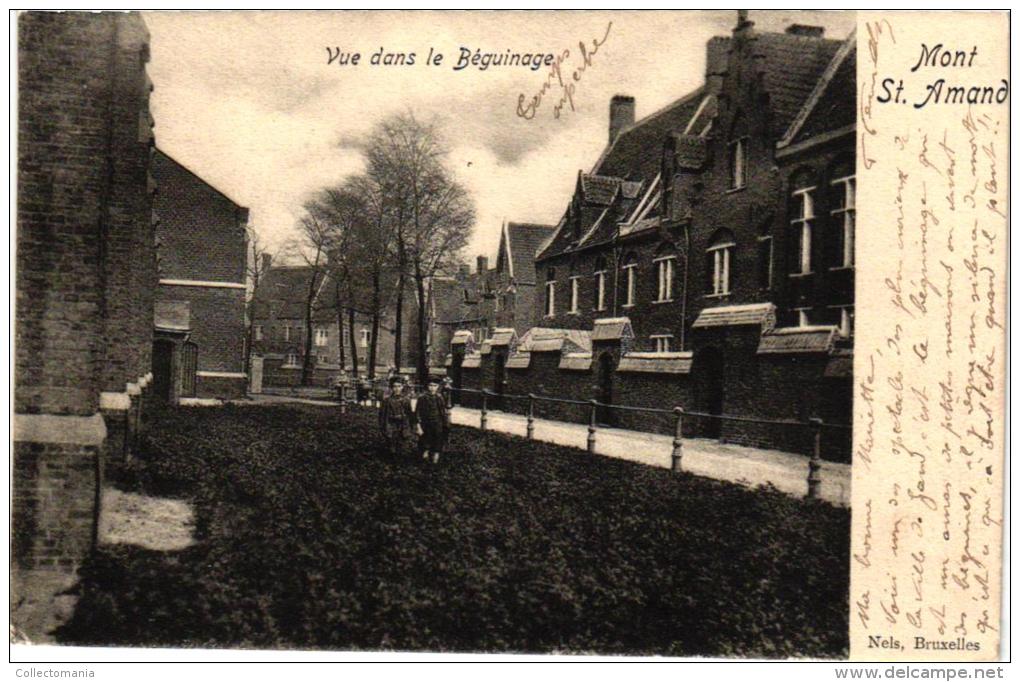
<point x="396" y="418"/>
<point x="431" y="416"/>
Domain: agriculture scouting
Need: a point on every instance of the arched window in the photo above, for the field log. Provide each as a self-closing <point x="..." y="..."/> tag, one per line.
<point x="802" y="218"/>
<point x="738" y="154"/>
<point x="600" y="283"/>
<point x="550" y="292"/>
<point x="629" y="280"/>
<point x="665" y="265"/>
<point x="844" y="212"/>
<point x="720" y="255"/>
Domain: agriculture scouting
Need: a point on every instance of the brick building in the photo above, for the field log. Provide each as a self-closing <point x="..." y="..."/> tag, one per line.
<point x="279" y="329"/>
<point x="708" y="253"/>
<point x="492" y="298"/>
<point x="201" y="242"/>
<point x="85" y="283"/>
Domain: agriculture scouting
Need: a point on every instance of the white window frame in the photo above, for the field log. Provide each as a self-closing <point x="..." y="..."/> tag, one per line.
<point x="847" y="215"/>
<point x="738" y="163"/>
<point x="803" y="225"/>
<point x="846" y="321"/>
<point x="630" y="284"/>
<point x="292" y="360"/>
<point x="663" y="342"/>
<point x="664" y="271"/>
<point x="550" y="298"/>
<point x="575" y="294"/>
<point x="286" y="332"/>
<point x="321" y="337"/>
<point x="366" y="336"/>
<point x="721" y="256"/>
<point x="258" y="332"/>
<point x="600" y="290"/>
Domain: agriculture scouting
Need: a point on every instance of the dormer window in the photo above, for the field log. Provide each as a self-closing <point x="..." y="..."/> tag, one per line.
<point x="720" y="253"/>
<point x="802" y="199"/>
<point x="550" y="292"/>
<point x="844" y="213"/>
<point x="600" y="284"/>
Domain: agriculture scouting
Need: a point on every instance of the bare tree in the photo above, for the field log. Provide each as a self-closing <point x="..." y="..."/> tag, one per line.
<point x="259" y="261"/>
<point x="312" y="248"/>
<point x="431" y="212"/>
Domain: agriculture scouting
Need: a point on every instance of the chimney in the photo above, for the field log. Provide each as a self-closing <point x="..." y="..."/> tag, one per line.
<point x="483" y="264"/>
<point x="805" y="30"/>
<point x="743" y="22"/>
<point x="267" y="261"/>
<point x="621" y="115"/>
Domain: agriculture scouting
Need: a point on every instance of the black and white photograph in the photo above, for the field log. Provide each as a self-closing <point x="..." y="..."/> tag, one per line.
<point x="515" y="332"/>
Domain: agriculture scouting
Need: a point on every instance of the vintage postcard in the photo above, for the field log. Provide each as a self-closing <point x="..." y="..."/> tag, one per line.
<point x="587" y="333"/>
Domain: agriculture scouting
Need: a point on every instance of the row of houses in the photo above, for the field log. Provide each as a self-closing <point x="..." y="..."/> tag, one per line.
<point x="130" y="285"/>
<point x="706" y="259"/>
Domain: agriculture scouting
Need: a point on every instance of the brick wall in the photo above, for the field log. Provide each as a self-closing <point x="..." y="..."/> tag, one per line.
<point x="85" y="274"/>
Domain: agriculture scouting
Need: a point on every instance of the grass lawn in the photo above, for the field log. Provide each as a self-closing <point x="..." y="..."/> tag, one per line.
<point x="308" y="537"/>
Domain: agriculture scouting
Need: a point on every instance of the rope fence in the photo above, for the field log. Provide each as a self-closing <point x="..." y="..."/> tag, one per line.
<point x="371" y="393"/>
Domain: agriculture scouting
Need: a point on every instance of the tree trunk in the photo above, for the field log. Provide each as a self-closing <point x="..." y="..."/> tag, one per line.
<point x="398" y="334"/>
<point x="374" y="340"/>
<point x="306" y="364"/>
<point x="422" y="359"/>
<point x="354" y="342"/>
<point x="342" y="357"/>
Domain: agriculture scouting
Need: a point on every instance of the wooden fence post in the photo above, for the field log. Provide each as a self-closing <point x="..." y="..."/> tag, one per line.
<point x="483" y="422"/>
<point x="678" y="442"/>
<point x="448" y="396"/>
<point x="531" y="416"/>
<point x="591" y="427"/>
<point x="814" y="478"/>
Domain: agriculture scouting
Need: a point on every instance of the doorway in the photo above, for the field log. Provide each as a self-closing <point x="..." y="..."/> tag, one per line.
<point x="162" y="370"/>
<point x="498" y="380"/>
<point x="604" y="413"/>
<point x="711" y="369"/>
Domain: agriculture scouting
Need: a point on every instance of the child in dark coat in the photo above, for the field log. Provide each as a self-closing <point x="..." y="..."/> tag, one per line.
<point x="431" y="415"/>
<point x="396" y="418"/>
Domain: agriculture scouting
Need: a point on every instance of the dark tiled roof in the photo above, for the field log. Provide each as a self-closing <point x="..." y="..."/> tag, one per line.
<point x="656" y="363"/>
<point x="286" y="289"/>
<point x="792" y="64"/>
<point x="634" y="158"/>
<point x="636" y="153"/>
<point x="598" y="189"/>
<point x="834" y="108"/>
<point x="525" y="241"/>
<point x="725" y="316"/>
<point x="798" y="340"/>
<point x="612" y="329"/>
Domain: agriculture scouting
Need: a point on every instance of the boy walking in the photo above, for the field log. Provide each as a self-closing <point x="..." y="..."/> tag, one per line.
<point x="431" y="415"/>
<point x="396" y="418"/>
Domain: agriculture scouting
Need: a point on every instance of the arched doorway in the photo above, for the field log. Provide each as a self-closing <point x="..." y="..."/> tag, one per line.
<point x="162" y="369"/>
<point x="710" y="366"/>
<point x="607" y="365"/>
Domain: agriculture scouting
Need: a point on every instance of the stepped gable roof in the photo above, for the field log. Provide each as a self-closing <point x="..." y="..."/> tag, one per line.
<point x="522" y="242"/>
<point x="793" y="64"/>
<point x="831" y="105"/>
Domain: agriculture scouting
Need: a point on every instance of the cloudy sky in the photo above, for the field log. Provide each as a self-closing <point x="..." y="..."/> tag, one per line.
<point x="248" y="101"/>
